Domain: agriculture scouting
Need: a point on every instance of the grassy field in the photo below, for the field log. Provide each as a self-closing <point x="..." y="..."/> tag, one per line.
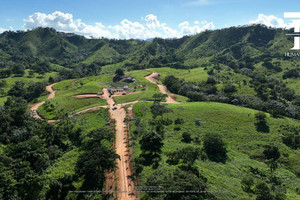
<point x="191" y="75"/>
<point x="94" y="120"/>
<point x="236" y="126"/>
<point x="66" y="90"/>
<point x="294" y="84"/>
<point x="10" y="81"/>
<point x="149" y="88"/>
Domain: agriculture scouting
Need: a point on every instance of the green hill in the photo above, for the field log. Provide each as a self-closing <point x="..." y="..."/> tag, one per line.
<point x="244" y="143"/>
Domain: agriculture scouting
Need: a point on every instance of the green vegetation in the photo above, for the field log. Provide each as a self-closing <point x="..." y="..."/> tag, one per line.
<point x="45" y="161"/>
<point x="245" y="146"/>
<point x="66" y="90"/>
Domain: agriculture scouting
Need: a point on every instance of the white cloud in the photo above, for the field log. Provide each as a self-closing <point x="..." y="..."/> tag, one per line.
<point x="209" y="26"/>
<point x="270" y="20"/>
<point x="2" y="30"/>
<point x="152" y="21"/>
<point x="186" y="29"/>
<point x="149" y="27"/>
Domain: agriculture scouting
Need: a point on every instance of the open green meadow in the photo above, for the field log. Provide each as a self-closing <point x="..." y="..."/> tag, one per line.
<point x="66" y="90"/>
<point x="236" y="126"/>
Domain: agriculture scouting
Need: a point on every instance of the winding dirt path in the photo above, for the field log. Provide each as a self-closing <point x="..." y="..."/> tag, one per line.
<point x="124" y="183"/>
<point x="163" y="89"/>
<point x="87" y="96"/>
<point x="36" y="106"/>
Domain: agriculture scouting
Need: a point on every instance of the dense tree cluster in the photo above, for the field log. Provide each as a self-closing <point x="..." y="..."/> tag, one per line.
<point x="272" y="96"/>
<point x="29" y="91"/>
<point x="31" y="147"/>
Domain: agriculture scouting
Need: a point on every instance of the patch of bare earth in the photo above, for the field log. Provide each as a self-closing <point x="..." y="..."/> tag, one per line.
<point x="125" y="185"/>
<point x="163" y="89"/>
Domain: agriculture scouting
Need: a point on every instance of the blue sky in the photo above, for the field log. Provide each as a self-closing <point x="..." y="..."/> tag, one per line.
<point x="127" y="18"/>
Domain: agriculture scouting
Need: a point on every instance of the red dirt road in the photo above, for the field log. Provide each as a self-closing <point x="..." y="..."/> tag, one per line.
<point x="36" y="106"/>
<point x="87" y="96"/>
<point x="163" y="89"/>
<point x="125" y="185"/>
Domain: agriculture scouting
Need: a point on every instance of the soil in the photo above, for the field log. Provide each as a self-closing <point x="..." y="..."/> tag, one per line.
<point x="163" y="89"/>
<point x="125" y="185"/>
<point x="35" y="107"/>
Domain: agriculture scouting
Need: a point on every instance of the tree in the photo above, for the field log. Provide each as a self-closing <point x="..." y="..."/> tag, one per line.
<point x="97" y="158"/>
<point x="186" y="137"/>
<point x="60" y="188"/>
<point x="3" y="83"/>
<point x="119" y="72"/>
<point x="174" y="179"/>
<point x="272" y="154"/>
<point x="263" y="191"/>
<point x="159" y="96"/>
<point x="158" y="109"/>
<point x="18" y="70"/>
<point x="51" y="80"/>
<point x="229" y="88"/>
<point x="151" y="142"/>
<point x="247" y="183"/>
<point x="261" y="122"/>
<point x="214" y="147"/>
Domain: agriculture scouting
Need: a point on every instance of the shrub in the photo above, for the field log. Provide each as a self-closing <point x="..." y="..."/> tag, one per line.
<point x="214" y="147"/>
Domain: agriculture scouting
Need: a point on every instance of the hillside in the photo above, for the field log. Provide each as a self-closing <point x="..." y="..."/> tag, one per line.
<point x="209" y="116"/>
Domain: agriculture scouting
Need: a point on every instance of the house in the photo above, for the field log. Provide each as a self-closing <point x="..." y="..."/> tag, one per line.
<point x="112" y="91"/>
<point x="126" y="87"/>
<point x="129" y="79"/>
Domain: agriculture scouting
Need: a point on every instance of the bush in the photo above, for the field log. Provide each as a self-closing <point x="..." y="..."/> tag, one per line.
<point x="214" y="147"/>
<point x="261" y="122"/>
<point x="186" y="137"/>
<point x="179" y="121"/>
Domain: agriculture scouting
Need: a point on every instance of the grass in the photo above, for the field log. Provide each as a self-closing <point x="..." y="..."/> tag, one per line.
<point x="191" y="75"/>
<point x="294" y="84"/>
<point x="149" y="88"/>
<point x="67" y="162"/>
<point x="2" y="100"/>
<point x="10" y="81"/>
<point x="65" y="165"/>
<point x="26" y="78"/>
<point x="68" y="88"/>
<point x="236" y="126"/>
<point x="94" y="120"/>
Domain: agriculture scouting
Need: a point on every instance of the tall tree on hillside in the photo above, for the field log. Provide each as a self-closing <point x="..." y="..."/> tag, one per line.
<point x="151" y="142"/>
<point x="215" y="147"/>
<point x="119" y="72"/>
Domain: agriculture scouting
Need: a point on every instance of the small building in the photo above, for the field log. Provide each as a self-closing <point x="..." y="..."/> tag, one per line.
<point x="112" y="91"/>
<point x="129" y="79"/>
<point x="126" y="87"/>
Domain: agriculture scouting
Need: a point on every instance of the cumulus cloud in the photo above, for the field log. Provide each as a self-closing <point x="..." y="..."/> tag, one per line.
<point x="2" y="30"/>
<point x="150" y="27"/>
<point x="270" y="20"/>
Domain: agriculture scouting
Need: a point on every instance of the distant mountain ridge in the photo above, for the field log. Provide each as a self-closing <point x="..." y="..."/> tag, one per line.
<point x="228" y="46"/>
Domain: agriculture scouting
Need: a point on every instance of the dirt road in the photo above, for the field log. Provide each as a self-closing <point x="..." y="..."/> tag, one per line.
<point x="36" y="106"/>
<point x="87" y="96"/>
<point x="163" y="89"/>
<point x="124" y="184"/>
<point x="49" y="89"/>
